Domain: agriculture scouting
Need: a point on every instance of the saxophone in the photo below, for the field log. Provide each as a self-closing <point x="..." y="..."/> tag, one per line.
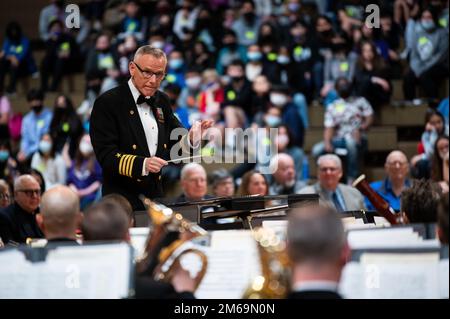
<point x="274" y="283"/>
<point x="169" y="243"/>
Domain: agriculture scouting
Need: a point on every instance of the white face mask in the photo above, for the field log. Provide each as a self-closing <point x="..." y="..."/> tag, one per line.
<point x="278" y="99"/>
<point x="157" y="44"/>
<point x="86" y="148"/>
<point x="251" y="72"/>
<point x="283" y="140"/>
<point x="45" y="147"/>
<point x="194" y="82"/>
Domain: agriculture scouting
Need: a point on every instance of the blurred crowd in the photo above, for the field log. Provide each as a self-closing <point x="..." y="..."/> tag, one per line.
<point x="245" y="64"/>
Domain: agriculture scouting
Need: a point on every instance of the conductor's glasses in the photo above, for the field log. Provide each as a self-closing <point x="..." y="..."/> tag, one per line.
<point x="149" y="74"/>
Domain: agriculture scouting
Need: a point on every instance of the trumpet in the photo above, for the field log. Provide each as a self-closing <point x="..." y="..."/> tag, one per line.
<point x="169" y="245"/>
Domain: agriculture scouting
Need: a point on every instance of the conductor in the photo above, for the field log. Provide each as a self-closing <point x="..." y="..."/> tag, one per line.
<point x="130" y="130"/>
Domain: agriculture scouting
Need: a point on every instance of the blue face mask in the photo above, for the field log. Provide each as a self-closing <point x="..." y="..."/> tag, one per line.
<point x="428" y="24"/>
<point x="4" y="155"/>
<point x="272" y="120"/>
<point x="294" y="7"/>
<point x="86" y="127"/>
<point x="254" y="56"/>
<point x="175" y="63"/>
<point x="282" y="59"/>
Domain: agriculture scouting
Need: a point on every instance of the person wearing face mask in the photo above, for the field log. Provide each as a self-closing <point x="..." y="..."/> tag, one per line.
<point x="176" y="70"/>
<point x="280" y="99"/>
<point x="133" y="23"/>
<point x="48" y="14"/>
<point x="189" y="94"/>
<point x="428" y="63"/>
<point x="346" y="122"/>
<point x="85" y="175"/>
<point x="49" y="163"/>
<point x="230" y="51"/>
<point x="60" y="57"/>
<point x="65" y="126"/>
<point x="34" y="125"/>
<point x="247" y="26"/>
<point x="237" y="95"/>
<point x="104" y="62"/>
<point x="254" y="66"/>
<point x="185" y="19"/>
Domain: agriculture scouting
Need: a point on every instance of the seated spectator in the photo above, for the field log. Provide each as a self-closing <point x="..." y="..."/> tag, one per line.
<point x="260" y="97"/>
<point x="60" y="57"/>
<point x="189" y="96"/>
<point x="371" y="76"/>
<point x="332" y="193"/>
<point x="442" y="226"/>
<point x="49" y="163"/>
<point x="247" y="25"/>
<point x="133" y="23"/>
<point x="173" y="92"/>
<point x="34" y="125"/>
<point x="222" y="183"/>
<point x="176" y="68"/>
<point x="194" y="183"/>
<point x="254" y="66"/>
<point x="60" y="216"/>
<point x="443" y="109"/>
<point x="211" y="96"/>
<point x="85" y="174"/>
<point x="253" y="183"/>
<point x="284" y="180"/>
<point x="5" y="194"/>
<point x="103" y="62"/>
<point x="48" y="14"/>
<point x="18" y="220"/>
<point x="126" y="51"/>
<point x="230" y="52"/>
<point x="434" y="127"/>
<point x="120" y="200"/>
<point x="346" y="121"/>
<point x="420" y="202"/>
<point x="439" y="163"/>
<point x="8" y="164"/>
<point x="351" y="14"/>
<point x="396" y="181"/>
<point x="5" y="115"/>
<point x="285" y="144"/>
<point x="15" y="57"/>
<point x="318" y="248"/>
<point x="428" y="61"/>
<point x="404" y="10"/>
<point x="65" y="127"/>
<point x="201" y="58"/>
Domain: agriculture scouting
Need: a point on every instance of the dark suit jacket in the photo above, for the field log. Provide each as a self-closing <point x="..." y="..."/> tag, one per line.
<point x="314" y="294"/>
<point x="18" y="225"/>
<point x="120" y="145"/>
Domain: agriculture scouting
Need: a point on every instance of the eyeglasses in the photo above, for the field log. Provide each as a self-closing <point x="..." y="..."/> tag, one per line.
<point x="5" y="196"/>
<point x="149" y="74"/>
<point x="325" y="169"/>
<point x="30" y="192"/>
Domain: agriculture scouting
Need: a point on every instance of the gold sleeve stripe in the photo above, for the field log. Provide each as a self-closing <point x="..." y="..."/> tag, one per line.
<point x="125" y="165"/>
<point x="130" y="169"/>
<point x="121" y="163"/>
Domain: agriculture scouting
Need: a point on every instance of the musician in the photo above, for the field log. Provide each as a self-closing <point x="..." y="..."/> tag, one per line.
<point x="332" y="193"/>
<point x="420" y="202"/>
<point x="130" y="130"/>
<point x="318" y="248"/>
<point x="60" y="215"/>
<point x="396" y="181"/>
<point x="18" y="220"/>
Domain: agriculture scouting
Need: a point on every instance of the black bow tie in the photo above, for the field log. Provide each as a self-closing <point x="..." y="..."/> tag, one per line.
<point x="141" y="99"/>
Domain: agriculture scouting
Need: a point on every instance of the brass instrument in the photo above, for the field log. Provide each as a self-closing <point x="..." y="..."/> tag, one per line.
<point x="274" y="283"/>
<point x="168" y="243"/>
<point x="383" y="207"/>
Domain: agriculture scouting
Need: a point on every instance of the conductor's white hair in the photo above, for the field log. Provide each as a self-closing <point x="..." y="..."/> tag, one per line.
<point x="148" y="49"/>
<point x="189" y="168"/>
<point x="330" y="157"/>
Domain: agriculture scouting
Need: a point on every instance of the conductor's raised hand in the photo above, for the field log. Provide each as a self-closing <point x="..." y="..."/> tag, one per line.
<point x="154" y="164"/>
<point x="198" y="130"/>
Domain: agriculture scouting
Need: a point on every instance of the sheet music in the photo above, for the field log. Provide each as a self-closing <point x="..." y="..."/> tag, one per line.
<point x="394" y="276"/>
<point x="233" y="262"/>
<point x="97" y="271"/>
<point x="381" y="221"/>
<point x="444" y="279"/>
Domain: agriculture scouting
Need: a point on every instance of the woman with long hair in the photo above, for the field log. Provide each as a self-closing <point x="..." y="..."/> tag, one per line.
<point x="253" y="183"/>
<point x="439" y="164"/>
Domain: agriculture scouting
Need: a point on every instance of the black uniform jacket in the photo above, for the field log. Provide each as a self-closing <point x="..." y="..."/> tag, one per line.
<point x="120" y="145"/>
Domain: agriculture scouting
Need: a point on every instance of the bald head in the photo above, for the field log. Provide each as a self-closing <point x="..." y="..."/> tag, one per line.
<point x="60" y="212"/>
<point x="283" y="167"/>
<point x="397" y="166"/>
